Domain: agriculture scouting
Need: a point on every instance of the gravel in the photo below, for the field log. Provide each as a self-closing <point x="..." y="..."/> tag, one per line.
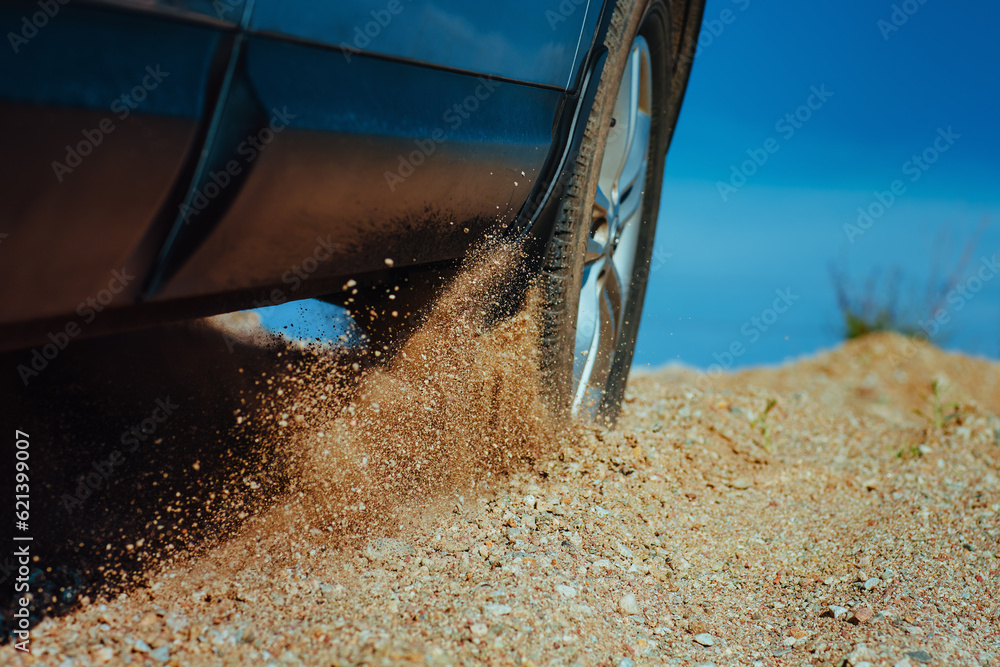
<point x="685" y="518"/>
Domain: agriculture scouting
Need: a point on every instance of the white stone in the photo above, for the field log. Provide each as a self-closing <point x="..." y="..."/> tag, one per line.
<point x="628" y="605"/>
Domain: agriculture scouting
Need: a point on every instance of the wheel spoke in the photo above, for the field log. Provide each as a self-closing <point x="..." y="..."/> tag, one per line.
<point x="602" y="204"/>
<point x="632" y="180"/>
<point x="612" y="296"/>
<point x="630" y="209"/>
<point x="595" y="251"/>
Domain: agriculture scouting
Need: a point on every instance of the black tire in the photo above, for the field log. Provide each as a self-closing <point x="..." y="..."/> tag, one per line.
<point x="563" y="268"/>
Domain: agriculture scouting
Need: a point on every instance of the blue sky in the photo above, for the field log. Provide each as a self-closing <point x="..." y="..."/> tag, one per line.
<point x="886" y="96"/>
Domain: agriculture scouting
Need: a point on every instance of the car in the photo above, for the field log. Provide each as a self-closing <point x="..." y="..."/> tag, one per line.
<point x="173" y="159"/>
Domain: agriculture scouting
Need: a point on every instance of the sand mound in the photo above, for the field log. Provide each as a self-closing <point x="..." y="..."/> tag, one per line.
<point x="789" y="516"/>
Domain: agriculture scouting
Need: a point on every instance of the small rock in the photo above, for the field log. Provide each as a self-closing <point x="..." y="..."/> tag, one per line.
<point x="103" y="654"/>
<point x="788" y="641"/>
<point x="626" y="662"/>
<point x="871" y="583"/>
<point x="162" y="654"/>
<point x="453" y="546"/>
<point x="623" y="550"/>
<point x="834" y="611"/>
<point x="741" y="484"/>
<point x="697" y="627"/>
<point x="497" y="609"/>
<point x="628" y="605"/>
<point x="860" y="615"/>
<point x="919" y="656"/>
<point x="529" y="522"/>
<point x="484" y="550"/>
<point x="149" y="620"/>
<point x="479" y="629"/>
<point x="704" y="639"/>
<point x="860" y="655"/>
<point x="905" y="662"/>
<point x="568" y="591"/>
<point x="529" y="501"/>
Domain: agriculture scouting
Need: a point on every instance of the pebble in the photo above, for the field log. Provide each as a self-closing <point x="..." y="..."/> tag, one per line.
<point x="861" y="655"/>
<point x="497" y="609"/>
<point x="919" y="656"/>
<point x="871" y="583"/>
<point x="162" y="654"/>
<point x="479" y="629"/>
<point x="835" y="611"/>
<point x="697" y="627"/>
<point x="628" y="605"/>
<point x="860" y="615"/>
<point x="741" y="484"/>
<point x="568" y="591"/>
<point x="626" y="662"/>
<point x="704" y="639"/>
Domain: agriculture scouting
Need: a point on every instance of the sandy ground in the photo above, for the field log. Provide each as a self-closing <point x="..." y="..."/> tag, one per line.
<point x="837" y="526"/>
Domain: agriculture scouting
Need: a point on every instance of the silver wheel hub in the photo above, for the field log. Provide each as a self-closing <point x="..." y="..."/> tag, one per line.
<point x="614" y="234"/>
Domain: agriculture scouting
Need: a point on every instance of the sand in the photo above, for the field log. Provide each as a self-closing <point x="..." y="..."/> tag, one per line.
<point x="839" y="526"/>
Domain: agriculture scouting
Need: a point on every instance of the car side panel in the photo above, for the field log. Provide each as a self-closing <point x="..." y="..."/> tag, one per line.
<point x="86" y="170"/>
<point x="382" y="159"/>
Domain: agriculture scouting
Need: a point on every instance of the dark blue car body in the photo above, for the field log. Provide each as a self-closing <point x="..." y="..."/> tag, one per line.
<point x="166" y="159"/>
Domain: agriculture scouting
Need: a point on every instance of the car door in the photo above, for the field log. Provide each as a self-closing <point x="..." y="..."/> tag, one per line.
<point x="399" y="130"/>
<point x="104" y="105"/>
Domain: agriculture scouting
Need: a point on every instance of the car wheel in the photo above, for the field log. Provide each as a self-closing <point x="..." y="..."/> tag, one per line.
<point x="597" y="262"/>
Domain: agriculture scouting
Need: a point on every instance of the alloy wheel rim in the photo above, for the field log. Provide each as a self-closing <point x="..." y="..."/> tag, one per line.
<point x="613" y="241"/>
